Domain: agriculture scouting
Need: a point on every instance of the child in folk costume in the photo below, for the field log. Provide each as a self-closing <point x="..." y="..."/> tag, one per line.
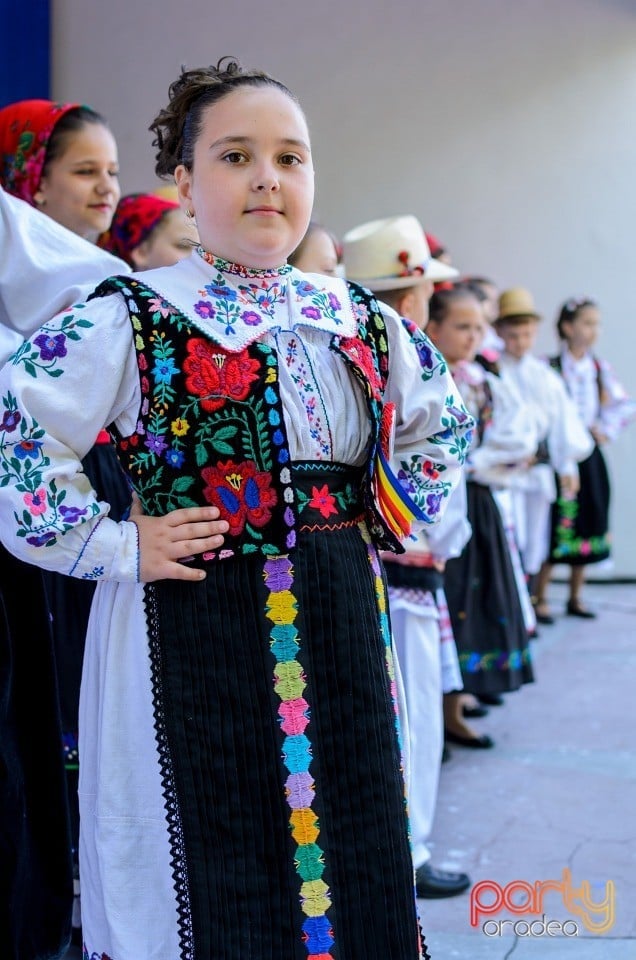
<point x="483" y="599"/>
<point x="563" y="439"/>
<point x="580" y="532"/>
<point x="390" y="256"/>
<point x="36" y="881"/>
<point x="241" y="787"/>
<point x="62" y="159"/>
<point x="149" y="231"/>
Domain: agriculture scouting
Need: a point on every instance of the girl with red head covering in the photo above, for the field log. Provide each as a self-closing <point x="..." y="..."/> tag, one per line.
<point x="149" y="231"/>
<point x="61" y="158"/>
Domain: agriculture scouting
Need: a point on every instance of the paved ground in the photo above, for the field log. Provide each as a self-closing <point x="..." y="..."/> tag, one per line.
<point x="558" y="792"/>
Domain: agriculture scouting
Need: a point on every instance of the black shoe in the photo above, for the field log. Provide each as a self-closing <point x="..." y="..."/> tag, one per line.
<point x="545" y="618"/>
<point x="476" y="711"/>
<point x="432" y="884"/>
<point x="483" y="742"/>
<point x="576" y="610"/>
<point x="491" y="699"/>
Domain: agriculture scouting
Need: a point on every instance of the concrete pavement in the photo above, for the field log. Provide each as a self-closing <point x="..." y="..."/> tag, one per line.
<point x="557" y="792"/>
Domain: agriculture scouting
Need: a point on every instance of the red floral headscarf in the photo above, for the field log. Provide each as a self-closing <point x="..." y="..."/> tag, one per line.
<point x="136" y="216"/>
<point x="25" y="130"/>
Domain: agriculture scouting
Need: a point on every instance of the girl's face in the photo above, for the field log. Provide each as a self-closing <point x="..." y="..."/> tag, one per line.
<point x="172" y="239"/>
<point x="582" y="333"/>
<point x="251" y="186"/>
<point x="461" y="331"/>
<point x="318" y="255"/>
<point x="80" y="188"/>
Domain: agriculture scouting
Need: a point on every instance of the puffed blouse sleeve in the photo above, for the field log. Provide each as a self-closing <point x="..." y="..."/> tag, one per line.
<point x="433" y="429"/>
<point x="76" y="374"/>
<point x="617" y="409"/>
<point x="61" y="268"/>
<point x="509" y="438"/>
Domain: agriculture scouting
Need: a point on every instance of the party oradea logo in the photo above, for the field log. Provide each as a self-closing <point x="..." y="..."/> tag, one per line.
<point x="591" y="906"/>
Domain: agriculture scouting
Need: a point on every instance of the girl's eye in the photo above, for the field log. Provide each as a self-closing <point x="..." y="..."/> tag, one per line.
<point x="92" y="172"/>
<point x="289" y="159"/>
<point x="235" y="156"/>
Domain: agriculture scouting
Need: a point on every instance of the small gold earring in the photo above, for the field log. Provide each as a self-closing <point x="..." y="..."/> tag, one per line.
<point x="189" y="214"/>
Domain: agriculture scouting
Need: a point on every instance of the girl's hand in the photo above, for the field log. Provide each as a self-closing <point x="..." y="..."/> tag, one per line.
<point x="598" y="435"/>
<point x="569" y="485"/>
<point x="179" y="535"/>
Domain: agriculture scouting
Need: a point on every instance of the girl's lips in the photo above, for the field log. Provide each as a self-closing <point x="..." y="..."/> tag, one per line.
<point x="264" y="211"/>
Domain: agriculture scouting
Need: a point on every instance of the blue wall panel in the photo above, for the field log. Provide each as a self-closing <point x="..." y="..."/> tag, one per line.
<point x="24" y="50"/>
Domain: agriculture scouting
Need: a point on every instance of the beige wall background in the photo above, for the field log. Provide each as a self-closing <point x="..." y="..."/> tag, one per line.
<point x="507" y="128"/>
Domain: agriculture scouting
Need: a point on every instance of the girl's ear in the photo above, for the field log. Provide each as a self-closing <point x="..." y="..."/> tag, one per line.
<point x="405" y="303"/>
<point x="139" y="255"/>
<point x="183" y="180"/>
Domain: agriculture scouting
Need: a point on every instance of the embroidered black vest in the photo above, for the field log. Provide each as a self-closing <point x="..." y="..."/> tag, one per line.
<point x="211" y="428"/>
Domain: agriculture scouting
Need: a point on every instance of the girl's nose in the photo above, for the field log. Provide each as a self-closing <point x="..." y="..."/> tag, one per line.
<point x="266" y="180"/>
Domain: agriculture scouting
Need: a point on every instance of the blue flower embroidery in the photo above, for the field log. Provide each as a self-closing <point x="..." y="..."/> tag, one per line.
<point x="51" y="346"/>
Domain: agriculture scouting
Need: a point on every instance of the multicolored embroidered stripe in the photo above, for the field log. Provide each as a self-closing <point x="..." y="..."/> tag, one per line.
<point x="383" y="607"/>
<point x="383" y="604"/>
<point x="398" y="509"/>
<point x="289" y="684"/>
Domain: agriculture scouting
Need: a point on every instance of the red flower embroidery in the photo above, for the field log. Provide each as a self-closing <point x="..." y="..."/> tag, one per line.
<point x="430" y="470"/>
<point x="241" y="492"/>
<point x="323" y="501"/>
<point x="362" y="356"/>
<point x="216" y="374"/>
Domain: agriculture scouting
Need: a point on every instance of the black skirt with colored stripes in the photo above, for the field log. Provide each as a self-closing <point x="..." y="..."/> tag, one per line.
<point x="277" y="723"/>
<point x="580" y="526"/>
<point x="484" y="606"/>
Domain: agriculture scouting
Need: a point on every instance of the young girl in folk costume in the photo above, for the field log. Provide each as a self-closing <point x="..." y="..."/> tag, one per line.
<point x="149" y="231"/>
<point x="240" y="781"/>
<point x="580" y="524"/>
<point x="480" y="587"/>
<point x="62" y="159"/>
<point x="563" y="438"/>
<point x="36" y="891"/>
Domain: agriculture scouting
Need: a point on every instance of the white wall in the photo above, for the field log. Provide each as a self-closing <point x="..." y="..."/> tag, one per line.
<point x="507" y="127"/>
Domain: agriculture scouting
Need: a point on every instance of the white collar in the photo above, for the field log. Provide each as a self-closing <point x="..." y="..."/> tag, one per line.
<point x="234" y="305"/>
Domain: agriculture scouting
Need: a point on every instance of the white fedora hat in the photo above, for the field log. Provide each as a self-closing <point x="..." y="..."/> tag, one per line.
<point x="391" y="253"/>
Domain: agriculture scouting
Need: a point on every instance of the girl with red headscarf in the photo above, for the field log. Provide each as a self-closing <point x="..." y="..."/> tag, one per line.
<point x="149" y="231"/>
<point x="62" y="159"/>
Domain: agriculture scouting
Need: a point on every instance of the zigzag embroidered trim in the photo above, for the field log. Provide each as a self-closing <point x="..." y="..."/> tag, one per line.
<point x="175" y="830"/>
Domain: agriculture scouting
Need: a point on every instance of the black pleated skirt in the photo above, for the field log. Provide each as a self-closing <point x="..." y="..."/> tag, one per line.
<point x="484" y="606"/>
<point x="36" y="892"/>
<point x="580" y="527"/>
<point x="277" y="724"/>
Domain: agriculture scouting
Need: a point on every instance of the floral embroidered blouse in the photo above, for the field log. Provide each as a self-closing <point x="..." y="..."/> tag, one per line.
<point x="214" y="379"/>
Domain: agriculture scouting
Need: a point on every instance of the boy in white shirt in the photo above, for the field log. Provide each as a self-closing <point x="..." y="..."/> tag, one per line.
<point x="563" y="439"/>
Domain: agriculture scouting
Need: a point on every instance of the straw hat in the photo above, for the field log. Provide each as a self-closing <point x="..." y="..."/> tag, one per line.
<point x="391" y="253"/>
<point x="516" y="302"/>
